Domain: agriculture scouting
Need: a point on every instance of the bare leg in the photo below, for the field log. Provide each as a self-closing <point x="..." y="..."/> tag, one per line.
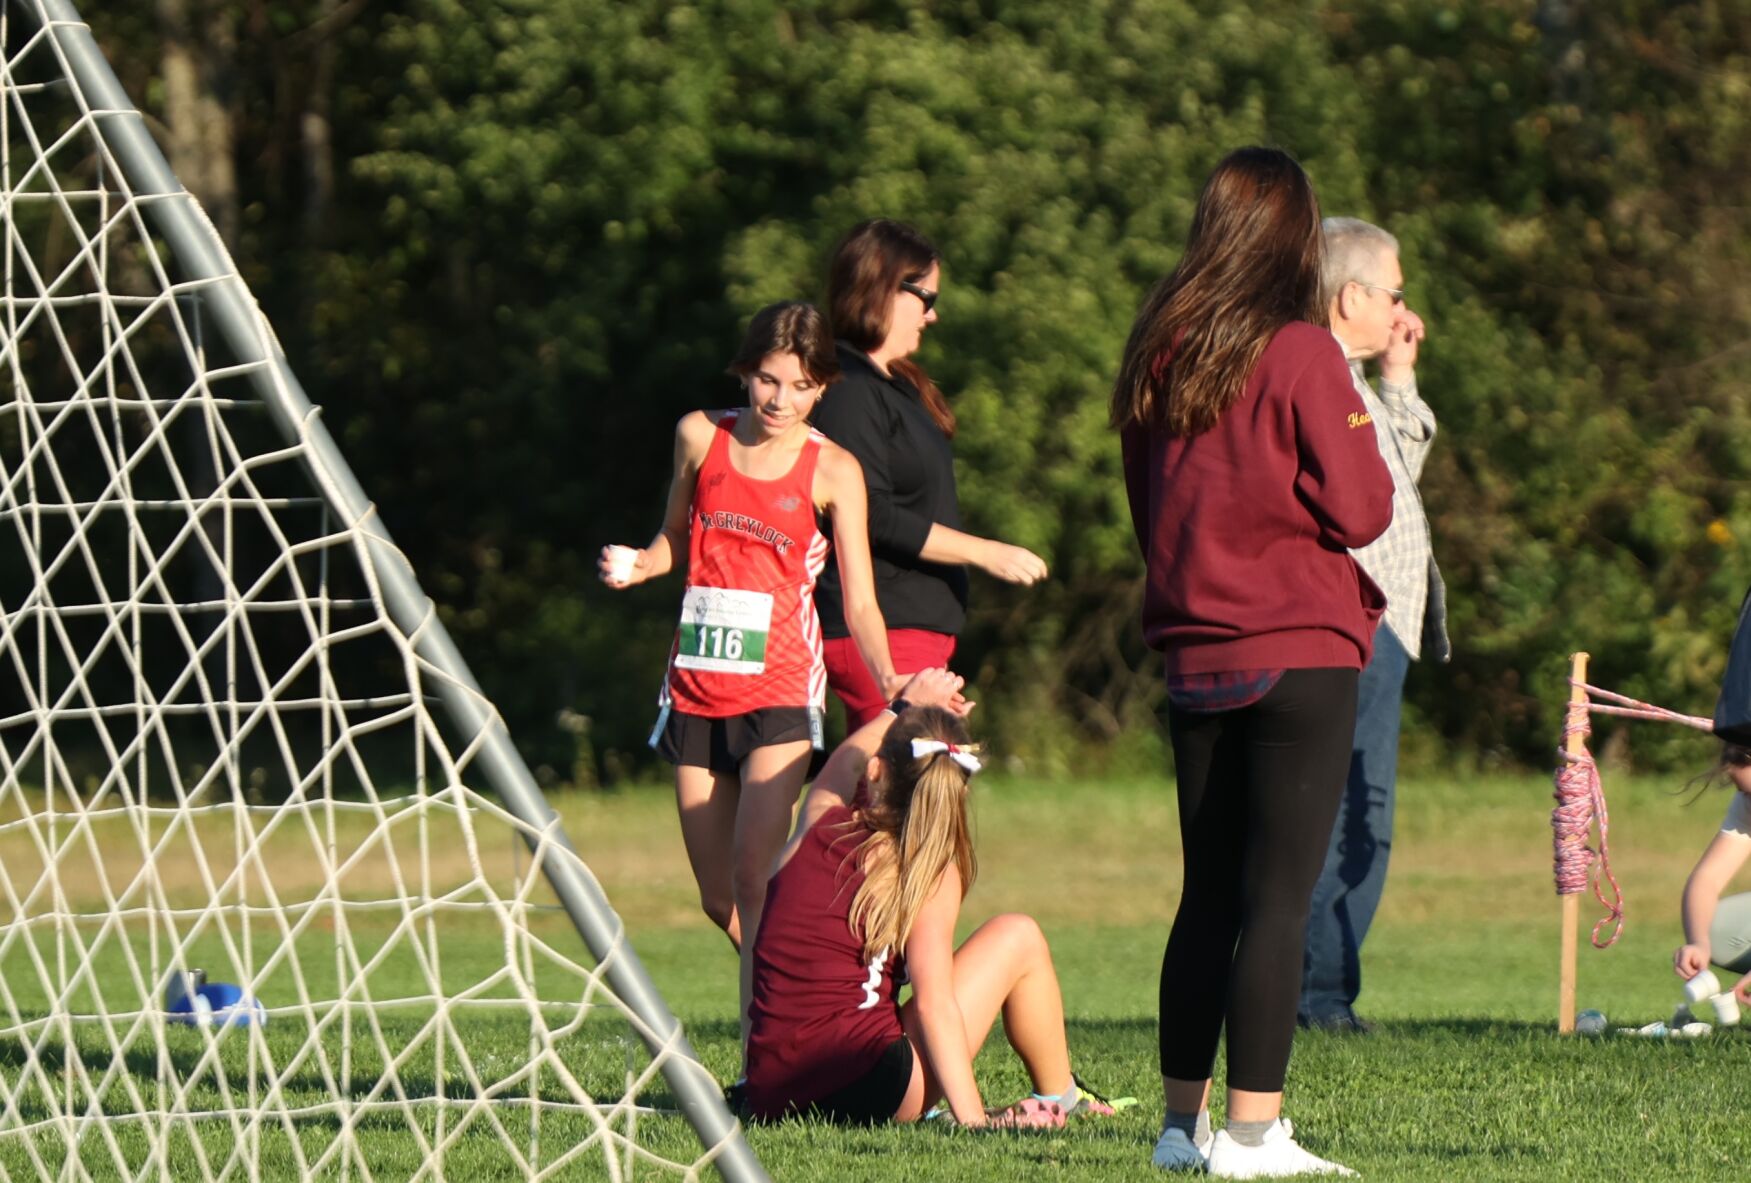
<point x="1004" y="967"/>
<point x="707" y="804"/>
<point x="1249" y="1106"/>
<point x="771" y="779"/>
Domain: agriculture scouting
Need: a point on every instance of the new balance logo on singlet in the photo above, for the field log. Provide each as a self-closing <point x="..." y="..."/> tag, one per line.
<point x="753" y="527"/>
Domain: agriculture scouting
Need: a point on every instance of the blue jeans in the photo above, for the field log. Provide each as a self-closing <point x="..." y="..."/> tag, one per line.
<point x="1349" y="887"/>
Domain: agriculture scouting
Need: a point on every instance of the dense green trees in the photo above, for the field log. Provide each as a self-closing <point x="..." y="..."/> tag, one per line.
<point x="509" y="243"/>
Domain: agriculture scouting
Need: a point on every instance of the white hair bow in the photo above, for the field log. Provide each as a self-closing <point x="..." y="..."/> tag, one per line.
<point x="962" y="756"/>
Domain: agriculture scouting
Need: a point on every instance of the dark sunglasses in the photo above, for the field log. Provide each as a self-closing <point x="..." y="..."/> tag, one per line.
<point x="924" y="294"/>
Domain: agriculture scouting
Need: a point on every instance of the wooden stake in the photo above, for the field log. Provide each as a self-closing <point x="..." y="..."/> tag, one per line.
<point x="1573" y="744"/>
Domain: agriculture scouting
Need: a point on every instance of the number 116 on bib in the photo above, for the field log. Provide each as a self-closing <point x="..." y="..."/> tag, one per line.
<point x="723" y="631"/>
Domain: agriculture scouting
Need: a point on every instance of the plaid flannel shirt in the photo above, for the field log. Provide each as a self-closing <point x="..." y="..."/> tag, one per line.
<point x="1402" y="560"/>
<point x="1225" y="691"/>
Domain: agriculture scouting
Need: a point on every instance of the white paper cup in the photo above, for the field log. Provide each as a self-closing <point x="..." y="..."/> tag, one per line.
<point x="1726" y="1009"/>
<point x="1703" y="985"/>
<point x="620" y="563"/>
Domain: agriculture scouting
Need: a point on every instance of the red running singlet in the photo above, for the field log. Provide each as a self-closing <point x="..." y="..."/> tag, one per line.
<point x="820" y="1016"/>
<point x="749" y="636"/>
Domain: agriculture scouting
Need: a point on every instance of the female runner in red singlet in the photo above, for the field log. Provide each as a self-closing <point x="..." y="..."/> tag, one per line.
<point x="866" y="894"/>
<point x="741" y="703"/>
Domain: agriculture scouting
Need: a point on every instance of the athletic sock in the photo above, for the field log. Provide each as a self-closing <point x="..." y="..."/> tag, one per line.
<point x="1250" y="1133"/>
<point x="1066" y="1099"/>
<point x="1195" y="1126"/>
<point x="1186" y="1123"/>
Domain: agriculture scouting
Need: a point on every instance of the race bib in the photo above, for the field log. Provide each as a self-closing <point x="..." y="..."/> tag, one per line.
<point x="723" y="630"/>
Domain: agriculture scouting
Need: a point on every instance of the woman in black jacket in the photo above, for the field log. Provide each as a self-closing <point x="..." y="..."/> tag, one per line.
<point x="881" y="294"/>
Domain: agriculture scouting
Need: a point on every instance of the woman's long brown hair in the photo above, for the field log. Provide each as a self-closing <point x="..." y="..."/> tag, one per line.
<point x="915" y="825"/>
<point x="1251" y="265"/>
<point x="868" y="267"/>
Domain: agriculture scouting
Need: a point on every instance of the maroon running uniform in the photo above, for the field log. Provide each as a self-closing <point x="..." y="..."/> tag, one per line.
<point x="749" y="637"/>
<point x="822" y="1015"/>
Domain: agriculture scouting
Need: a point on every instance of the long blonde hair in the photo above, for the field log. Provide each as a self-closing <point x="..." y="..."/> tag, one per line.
<point x="916" y="824"/>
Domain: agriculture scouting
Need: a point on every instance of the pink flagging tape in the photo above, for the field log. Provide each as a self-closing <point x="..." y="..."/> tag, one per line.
<point x="1580" y="802"/>
<point x="1636" y="709"/>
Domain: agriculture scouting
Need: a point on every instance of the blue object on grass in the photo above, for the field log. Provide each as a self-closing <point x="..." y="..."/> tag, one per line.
<point x="212" y="1004"/>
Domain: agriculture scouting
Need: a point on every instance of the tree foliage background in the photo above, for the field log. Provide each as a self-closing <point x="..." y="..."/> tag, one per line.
<point x="508" y="242"/>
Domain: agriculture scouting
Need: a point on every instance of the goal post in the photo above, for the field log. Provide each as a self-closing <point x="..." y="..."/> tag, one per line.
<point x="148" y="1082"/>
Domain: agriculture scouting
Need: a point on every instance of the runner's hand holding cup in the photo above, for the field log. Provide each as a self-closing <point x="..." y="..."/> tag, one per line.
<point x="618" y="565"/>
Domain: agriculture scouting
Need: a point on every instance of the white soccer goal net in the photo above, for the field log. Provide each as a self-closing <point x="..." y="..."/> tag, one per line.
<point x="277" y="898"/>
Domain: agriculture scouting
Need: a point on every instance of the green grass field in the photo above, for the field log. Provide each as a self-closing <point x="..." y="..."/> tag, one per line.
<point x="1464" y="1078"/>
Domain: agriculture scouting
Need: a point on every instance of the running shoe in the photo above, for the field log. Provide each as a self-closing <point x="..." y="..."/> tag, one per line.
<point x="1279" y="1155"/>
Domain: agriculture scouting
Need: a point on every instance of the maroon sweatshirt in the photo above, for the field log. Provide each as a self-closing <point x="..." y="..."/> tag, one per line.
<point x="1246" y="528"/>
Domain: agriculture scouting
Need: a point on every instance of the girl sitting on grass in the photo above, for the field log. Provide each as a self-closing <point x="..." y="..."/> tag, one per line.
<point x="865" y="896"/>
<point x="1719" y="930"/>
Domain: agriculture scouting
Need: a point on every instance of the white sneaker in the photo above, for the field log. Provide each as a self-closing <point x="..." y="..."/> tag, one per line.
<point x="1279" y="1155"/>
<point x="1176" y="1151"/>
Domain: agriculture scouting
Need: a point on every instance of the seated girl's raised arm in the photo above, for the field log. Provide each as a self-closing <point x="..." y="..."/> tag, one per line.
<point x="847" y="766"/>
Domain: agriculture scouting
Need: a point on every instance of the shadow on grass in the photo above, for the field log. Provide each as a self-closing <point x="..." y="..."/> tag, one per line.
<point x="711" y="1029"/>
<point x="1457" y="1026"/>
<point x="600" y="1063"/>
<point x="1453" y="1026"/>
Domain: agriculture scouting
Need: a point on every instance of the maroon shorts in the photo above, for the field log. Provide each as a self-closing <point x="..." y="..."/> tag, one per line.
<point x="912" y="649"/>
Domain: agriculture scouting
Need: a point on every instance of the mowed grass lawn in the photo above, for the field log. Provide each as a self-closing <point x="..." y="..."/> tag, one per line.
<point x="1464" y="1078"/>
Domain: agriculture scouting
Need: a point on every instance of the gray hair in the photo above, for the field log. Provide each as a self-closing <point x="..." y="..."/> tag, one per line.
<point x="1351" y="247"/>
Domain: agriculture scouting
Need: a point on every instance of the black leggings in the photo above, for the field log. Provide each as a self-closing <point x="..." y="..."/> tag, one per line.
<point x="1258" y="792"/>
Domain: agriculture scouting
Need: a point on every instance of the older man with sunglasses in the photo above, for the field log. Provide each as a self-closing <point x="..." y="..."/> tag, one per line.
<point x="1365" y="286"/>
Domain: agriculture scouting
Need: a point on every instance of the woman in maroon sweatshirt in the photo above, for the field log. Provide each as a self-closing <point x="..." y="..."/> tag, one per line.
<point x="1252" y="468"/>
